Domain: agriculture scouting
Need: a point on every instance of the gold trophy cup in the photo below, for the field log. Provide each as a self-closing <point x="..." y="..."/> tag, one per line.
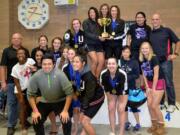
<point x="104" y="22"/>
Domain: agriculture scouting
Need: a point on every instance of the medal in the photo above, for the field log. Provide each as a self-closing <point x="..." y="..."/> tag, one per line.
<point x="78" y="83"/>
<point x="113" y="83"/>
<point x="113" y="34"/>
<point x="113" y="91"/>
<point x="77" y="93"/>
<point x="75" y="46"/>
<point x="76" y="41"/>
<point x="113" y="25"/>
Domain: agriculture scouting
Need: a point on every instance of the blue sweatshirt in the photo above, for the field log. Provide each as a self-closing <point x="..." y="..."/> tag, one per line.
<point x="131" y="67"/>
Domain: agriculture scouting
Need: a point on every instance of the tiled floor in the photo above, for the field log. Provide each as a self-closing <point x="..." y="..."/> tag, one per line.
<point x="100" y="130"/>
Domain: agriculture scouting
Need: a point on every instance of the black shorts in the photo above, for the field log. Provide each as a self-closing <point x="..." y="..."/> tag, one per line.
<point x="96" y="48"/>
<point x="118" y="93"/>
<point x="92" y="110"/>
<point x="112" y="51"/>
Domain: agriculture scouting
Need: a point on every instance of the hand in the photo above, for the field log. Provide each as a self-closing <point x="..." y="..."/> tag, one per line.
<point x="101" y="38"/>
<point x="64" y="116"/>
<point x="172" y="57"/>
<point x="35" y="117"/>
<point x="110" y="38"/>
<point x="3" y="86"/>
<point x="32" y="68"/>
<point x="99" y="22"/>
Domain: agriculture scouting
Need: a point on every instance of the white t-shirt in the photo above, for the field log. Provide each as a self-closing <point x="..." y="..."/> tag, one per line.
<point x="23" y="73"/>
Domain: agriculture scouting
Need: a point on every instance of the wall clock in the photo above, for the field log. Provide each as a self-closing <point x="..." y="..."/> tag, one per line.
<point x="33" y="14"/>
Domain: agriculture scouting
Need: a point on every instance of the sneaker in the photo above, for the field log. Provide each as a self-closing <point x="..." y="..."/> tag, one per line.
<point x="163" y="106"/>
<point x="24" y="132"/>
<point x="171" y="108"/>
<point x="137" y="127"/>
<point x="10" y="131"/>
<point x="127" y="126"/>
<point x="112" y="133"/>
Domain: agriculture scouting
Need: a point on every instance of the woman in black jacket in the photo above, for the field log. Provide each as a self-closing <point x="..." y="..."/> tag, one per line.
<point x="114" y="81"/>
<point x="116" y="31"/>
<point x="74" y="37"/>
<point x="89" y="93"/>
<point x="93" y="39"/>
<point x="43" y="45"/>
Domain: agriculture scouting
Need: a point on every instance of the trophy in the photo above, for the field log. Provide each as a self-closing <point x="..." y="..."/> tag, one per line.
<point x="104" y="22"/>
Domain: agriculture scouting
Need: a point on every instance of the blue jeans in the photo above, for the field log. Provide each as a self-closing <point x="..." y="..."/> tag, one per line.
<point x="3" y="99"/>
<point x="167" y="68"/>
<point x="12" y="105"/>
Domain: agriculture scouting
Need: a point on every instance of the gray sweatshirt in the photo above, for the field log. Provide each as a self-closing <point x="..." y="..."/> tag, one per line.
<point x="53" y="86"/>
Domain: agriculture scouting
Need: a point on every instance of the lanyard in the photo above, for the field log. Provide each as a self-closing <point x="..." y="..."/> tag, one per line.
<point x="71" y="72"/>
<point x="113" y="25"/>
<point x="78" y="80"/>
<point x="76" y="38"/>
<point x="113" y="82"/>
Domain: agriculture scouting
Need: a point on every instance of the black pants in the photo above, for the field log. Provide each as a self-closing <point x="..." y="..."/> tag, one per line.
<point x="45" y="109"/>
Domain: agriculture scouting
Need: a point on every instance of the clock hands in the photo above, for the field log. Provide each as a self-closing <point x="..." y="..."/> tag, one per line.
<point x="34" y="13"/>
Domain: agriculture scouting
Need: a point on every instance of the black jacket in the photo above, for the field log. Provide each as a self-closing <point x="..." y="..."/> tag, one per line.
<point x="90" y="91"/>
<point x="121" y="82"/>
<point x="162" y="40"/>
<point x="69" y="39"/>
<point x="66" y="70"/>
<point x="92" y="32"/>
<point x="119" y="33"/>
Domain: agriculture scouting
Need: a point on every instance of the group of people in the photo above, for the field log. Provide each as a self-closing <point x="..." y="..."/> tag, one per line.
<point x="71" y="78"/>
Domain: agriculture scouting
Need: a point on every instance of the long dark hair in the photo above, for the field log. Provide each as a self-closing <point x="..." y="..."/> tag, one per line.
<point x="82" y="54"/>
<point x="118" y="12"/>
<point x="100" y="13"/>
<point x="96" y="12"/>
<point x="143" y="14"/>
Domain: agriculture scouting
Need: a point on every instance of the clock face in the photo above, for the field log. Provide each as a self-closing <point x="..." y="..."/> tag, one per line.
<point x="33" y="14"/>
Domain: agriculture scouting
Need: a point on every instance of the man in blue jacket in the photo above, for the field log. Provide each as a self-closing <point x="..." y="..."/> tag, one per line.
<point x="162" y="39"/>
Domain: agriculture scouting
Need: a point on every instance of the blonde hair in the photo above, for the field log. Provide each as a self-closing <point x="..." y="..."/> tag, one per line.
<point x="151" y="53"/>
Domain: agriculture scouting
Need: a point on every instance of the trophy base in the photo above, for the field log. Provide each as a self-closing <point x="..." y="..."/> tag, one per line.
<point x="105" y="35"/>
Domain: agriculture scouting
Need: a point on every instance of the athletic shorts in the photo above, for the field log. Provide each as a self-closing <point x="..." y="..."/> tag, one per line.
<point x="161" y="85"/>
<point x="113" y="52"/>
<point x="96" y="48"/>
<point x="92" y="110"/>
<point x="119" y="93"/>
